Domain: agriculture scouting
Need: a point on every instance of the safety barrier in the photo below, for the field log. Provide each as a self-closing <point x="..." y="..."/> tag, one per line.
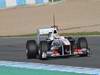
<point x="12" y="3"/>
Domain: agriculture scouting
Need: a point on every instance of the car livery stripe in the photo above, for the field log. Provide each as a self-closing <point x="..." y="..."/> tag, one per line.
<point x="61" y="68"/>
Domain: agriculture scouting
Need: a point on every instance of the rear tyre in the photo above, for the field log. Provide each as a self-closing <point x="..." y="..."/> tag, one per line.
<point x="31" y="47"/>
<point x="43" y="50"/>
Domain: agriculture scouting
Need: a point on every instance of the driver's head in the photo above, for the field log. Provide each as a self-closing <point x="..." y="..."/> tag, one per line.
<point x="55" y="31"/>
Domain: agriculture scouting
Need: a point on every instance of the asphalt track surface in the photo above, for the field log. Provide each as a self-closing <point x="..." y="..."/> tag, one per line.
<point x="13" y="49"/>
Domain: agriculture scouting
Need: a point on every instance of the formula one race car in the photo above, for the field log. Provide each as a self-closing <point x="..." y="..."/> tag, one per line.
<point x="49" y="44"/>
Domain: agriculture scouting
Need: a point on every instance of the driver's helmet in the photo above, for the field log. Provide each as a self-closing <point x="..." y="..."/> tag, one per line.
<point x="55" y="31"/>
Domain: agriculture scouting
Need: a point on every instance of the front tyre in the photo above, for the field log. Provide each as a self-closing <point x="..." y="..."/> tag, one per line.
<point x="83" y="45"/>
<point x="43" y="50"/>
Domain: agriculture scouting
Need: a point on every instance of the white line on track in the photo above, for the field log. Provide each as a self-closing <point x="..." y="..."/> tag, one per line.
<point x="61" y="68"/>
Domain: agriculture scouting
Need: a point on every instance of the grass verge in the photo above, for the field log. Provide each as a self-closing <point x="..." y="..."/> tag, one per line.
<point x="63" y="34"/>
<point x="81" y="33"/>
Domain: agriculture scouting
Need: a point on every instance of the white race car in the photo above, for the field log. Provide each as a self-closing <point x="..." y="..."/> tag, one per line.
<point x="50" y="44"/>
